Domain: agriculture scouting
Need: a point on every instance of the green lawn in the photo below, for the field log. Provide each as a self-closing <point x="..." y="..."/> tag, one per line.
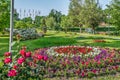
<point x="57" y="39"/>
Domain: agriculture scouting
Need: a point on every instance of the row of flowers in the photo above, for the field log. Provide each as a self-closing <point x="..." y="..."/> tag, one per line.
<point x="73" y="50"/>
<point x="44" y="63"/>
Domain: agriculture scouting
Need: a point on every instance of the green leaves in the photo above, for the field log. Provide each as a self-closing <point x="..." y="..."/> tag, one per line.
<point x="114" y="13"/>
<point x="4" y="14"/>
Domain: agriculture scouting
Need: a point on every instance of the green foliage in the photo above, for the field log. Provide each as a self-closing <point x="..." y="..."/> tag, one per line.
<point x="85" y="13"/>
<point x="74" y="10"/>
<point x="4" y="14"/>
<point x="114" y="13"/>
<point x="56" y="15"/>
<point x="66" y="22"/>
<point x="50" y="22"/>
<point x="24" y="23"/>
<point x="104" y="29"/>
<point x="20" y="24"/>
<point x="37" y="21"/>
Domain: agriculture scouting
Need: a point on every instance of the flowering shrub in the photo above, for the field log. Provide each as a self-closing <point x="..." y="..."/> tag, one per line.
<point x="27" y="34"/>
<point x="41" y="64"/>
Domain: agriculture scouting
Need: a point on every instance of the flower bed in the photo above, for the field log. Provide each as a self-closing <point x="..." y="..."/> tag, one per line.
<point x="74" y="61"/>
<point x="99" y="41"/>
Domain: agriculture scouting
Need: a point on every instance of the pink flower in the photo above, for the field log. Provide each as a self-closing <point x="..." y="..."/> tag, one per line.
<point x="15" y="67"/>
<point x="12" y="73"/>
<point x="7" y="54"/>
<point x="40" y="57"/>
<point x="23" y="53"/>
<point x="7" y="60"/>
<point x="20" y="60"/>
<point x="45" y="58"/>
<point x="28" y="54"/>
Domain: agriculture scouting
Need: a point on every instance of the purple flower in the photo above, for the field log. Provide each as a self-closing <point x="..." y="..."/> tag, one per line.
<point x="76" y="58"/>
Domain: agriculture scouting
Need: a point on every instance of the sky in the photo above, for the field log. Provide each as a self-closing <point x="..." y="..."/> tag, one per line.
<point x="44" y="6"/>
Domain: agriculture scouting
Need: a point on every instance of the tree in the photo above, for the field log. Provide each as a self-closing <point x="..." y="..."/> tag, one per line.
<point x="91" y="14"/>
<point x="4" y="14"/>
<point x="114" y="13"/>
<point x="28" y="21"/>
<point x="43" y="24"/>
<point x="66" y="23"/>
<point x="20" y="24"/>
<point x="57" y="18"/>
<point x="75" y="8"/>
<point x="85" y="12"/>
<point x="50" y="22"/>
<point x="16" y="15"/>
<point x="37" y="21"/>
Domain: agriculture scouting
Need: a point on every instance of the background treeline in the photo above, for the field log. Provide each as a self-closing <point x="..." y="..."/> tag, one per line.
<point x="82" y="14"/>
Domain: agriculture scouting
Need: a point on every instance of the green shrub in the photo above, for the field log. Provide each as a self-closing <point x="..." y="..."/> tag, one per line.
<point x="102" y="29"/>
<point x="117" y="33"/>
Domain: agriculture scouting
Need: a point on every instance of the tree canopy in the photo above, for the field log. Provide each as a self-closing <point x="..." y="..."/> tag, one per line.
<point x="4" y="14"/>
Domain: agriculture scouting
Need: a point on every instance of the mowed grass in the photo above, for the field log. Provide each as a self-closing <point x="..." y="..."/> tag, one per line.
<point x="53" y="38"/>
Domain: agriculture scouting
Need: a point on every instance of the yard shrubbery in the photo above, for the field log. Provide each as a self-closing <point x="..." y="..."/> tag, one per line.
<point x="27" y="34"/>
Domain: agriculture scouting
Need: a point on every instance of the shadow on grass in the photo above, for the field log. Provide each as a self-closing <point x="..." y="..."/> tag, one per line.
<point x="93" y="37"/>
<point x="112" y="44"/>
<point x="48" y="42"/>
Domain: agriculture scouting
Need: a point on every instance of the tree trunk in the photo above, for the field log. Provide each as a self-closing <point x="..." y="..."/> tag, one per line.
<point x="44" y="29"/>
<point x="80" y="29"/>
<point x="93" y="30"/>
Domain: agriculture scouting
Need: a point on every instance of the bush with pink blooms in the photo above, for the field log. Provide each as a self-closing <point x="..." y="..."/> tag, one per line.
<point x="48" y="63"/>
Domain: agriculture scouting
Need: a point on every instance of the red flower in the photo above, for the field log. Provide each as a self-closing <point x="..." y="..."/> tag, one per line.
<point x="30" y="63"/>
<point x="115" y="67"/>
<point x="15" y="67"/>
<point x="28" y="54"/>
<point x="94" y="71"/>
<point x="86" y="63"/>
<point x="82" y="74"/>
<point x="83" y="62"/>
<point x="39" y="57"/>
<point x="20" y="60"/>
<point x="78" y="72"/>
<point x="98" y="62"/>
<point x="7" y="54"/>
<point x="7" y="60"/>
<point x="12" y="73"/>
<point x="110" y="60"/>
<point x="23" y="53"/>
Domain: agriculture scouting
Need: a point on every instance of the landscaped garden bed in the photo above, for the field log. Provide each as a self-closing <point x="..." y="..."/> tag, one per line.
<point x="62" y="61"/>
